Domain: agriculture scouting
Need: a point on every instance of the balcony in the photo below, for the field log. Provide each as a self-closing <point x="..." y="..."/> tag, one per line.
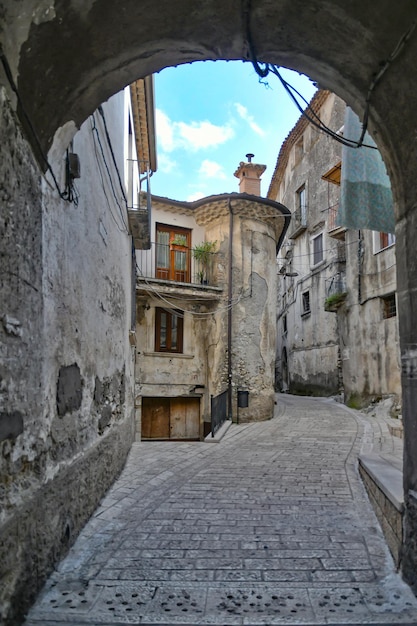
<point x="334" y="230"/>
<point x="173" y="268"/>
<point x="335" y="292"/>
<point x="298" y="222"/>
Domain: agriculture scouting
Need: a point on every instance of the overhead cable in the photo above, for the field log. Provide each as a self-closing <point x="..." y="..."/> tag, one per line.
<point x="308" y="112"/>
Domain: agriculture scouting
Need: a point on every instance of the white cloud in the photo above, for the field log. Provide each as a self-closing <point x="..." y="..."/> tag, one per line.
<point x="165" y="163"/>
<point x="196" y="196"/>
<point x="247" y="117"/>
<point x="211" y="169"/>
<point x="164" y="131"/>
<point x="189" y="136"/>
<point x="203" y="134"/>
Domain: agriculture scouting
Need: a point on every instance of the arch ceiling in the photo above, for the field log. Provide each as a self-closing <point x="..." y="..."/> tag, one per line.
<point x="67" y="57"/>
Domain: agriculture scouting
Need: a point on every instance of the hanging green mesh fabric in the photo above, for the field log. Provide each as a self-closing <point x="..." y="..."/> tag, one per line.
<point x="366" y="197"/>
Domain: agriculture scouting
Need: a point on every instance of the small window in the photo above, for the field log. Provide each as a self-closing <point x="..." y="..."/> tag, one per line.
<point x="284" y="324"/>
<point x="382" y="241"/>
<point x="389" y="307"/>
<point x="168" y="330"/>
<point x="301" y="206"/>
<point x="318" y="249"/>
<point x="306" y="302"/>
<point x="386" y="240"/>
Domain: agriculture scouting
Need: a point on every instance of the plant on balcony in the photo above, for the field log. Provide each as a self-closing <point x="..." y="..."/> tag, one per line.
<point x="202" y="253"/>
<point x="333" y="302"/>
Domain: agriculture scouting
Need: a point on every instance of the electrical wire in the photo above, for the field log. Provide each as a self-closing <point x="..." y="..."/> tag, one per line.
<point x="97" y="135"/>
<point x="64" y="195"/>
<point x="210" y="313"/>
<point x="100" y="110"/>
<point x="312" y="116"/>
<point x="122" y="230"/>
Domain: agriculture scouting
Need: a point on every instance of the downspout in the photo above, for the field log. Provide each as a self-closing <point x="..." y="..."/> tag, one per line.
<point x="229" y="313"/>
<point x="360" y="267"/>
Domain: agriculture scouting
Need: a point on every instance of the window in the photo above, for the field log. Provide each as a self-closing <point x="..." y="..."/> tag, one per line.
<point x="385" y="240"/>
<point x="382" y="241"/>
<point x="301" y="205"/>
<point x="318" y="249"/>
<point x="284" y="323"/>
<point x="306" y="302"/>
<point x="173" y="259"/>
<point x="389" y="307"/>
<point x="168" y="330"/>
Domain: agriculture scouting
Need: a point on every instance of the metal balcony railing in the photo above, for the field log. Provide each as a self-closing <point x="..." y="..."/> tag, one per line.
<point x="335" y="292"/>
<point x="333" y="228"/>
<point x="175" y="263"/>
<point x="336" y="285"/>
<point x="298" y="221"/>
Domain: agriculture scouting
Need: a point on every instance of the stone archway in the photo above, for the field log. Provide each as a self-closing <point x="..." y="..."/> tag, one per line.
<point x="66" y="58"/>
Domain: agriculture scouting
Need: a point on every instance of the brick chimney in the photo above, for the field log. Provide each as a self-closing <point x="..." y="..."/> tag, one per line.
<point x="249" y="175"/>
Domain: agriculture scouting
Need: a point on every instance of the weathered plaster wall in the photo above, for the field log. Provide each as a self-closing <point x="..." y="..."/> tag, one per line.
<point x="311" y="339"/>
<point x="66" y="367"/>
<point x="170" y="374"/>
<point x="369" y="343"/>
<point x="253" y="313"/>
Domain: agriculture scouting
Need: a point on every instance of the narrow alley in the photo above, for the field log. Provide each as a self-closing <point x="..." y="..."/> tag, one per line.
<point x="270" y="526"/>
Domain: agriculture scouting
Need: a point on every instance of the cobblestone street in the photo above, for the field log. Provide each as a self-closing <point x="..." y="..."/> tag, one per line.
<point x="270" y="526"/>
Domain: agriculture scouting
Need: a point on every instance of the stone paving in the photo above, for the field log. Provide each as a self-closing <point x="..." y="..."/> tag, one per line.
<point x="270" y="526"/>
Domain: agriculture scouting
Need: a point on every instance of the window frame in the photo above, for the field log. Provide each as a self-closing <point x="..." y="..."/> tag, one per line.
<point x="382" y="241"/>
<point x="313" y="241"/>
<point x="171" y="252"/>
<point x="170" y="315"/>
<point x="301" y="204"/>
<point x="389" y="306"/>
<point x="305" y="298"/>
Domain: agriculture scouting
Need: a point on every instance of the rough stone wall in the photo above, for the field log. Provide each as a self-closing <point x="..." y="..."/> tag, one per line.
<point x="253" y="315"/>
<point x="66" y="369"/>
<point x="390" y="518"/>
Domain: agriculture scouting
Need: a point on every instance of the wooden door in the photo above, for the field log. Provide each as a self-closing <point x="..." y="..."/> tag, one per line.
<point x="155" y="418"/>
<point x="171" y="418"/>
<point x="185" y="418"/>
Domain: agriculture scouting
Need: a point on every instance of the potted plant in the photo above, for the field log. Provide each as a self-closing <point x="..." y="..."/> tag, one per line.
<point x="202" y="254"/>
<point x="179" y="241"/>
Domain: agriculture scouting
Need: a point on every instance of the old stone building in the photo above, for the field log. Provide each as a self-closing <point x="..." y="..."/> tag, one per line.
<point x="337" y="324"/>
<point x="60" y="61"/>
<point x="206" y="305"/>
<point x="67" y="366"/>
<point x="308" y="347"/>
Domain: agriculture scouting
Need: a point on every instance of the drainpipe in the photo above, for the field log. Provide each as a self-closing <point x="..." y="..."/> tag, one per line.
<point x="360" y="267"/>
<point x="229" y="313"/>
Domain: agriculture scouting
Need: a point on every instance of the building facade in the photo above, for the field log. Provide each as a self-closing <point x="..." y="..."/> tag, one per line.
<point x="206" y="306"/>
<point x="65" y="433"/>
<point x="337" y="325"/>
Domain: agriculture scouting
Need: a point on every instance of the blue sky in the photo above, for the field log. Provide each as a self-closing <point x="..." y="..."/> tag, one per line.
<point x="209" y="115"/>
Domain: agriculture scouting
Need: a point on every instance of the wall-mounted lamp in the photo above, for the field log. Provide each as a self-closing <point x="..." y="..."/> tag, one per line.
<point x="283" y="271"/>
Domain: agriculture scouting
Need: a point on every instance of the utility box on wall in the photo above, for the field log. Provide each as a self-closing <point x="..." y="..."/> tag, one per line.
<point x="242" y="398"/>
